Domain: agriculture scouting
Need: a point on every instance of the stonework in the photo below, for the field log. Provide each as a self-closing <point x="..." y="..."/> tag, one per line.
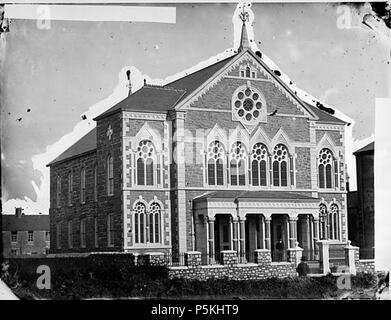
<point x="228" y="166"/>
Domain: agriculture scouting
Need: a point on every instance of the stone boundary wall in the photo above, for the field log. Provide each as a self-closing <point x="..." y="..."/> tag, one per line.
<point x="248" y="271"/>
<point x="365" y="266"/>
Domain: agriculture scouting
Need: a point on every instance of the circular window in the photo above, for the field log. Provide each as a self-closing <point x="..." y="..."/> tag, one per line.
<point x="248" y="104"/>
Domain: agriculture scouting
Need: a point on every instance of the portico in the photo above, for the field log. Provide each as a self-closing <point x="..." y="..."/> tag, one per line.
<point x="252" y="220"/>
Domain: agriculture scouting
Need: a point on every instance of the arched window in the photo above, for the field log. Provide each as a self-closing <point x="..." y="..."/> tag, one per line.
<point x="140" y="223"/>
<point x="145" y="163"/>
<point x="248" y="72"/>
<point x="154" y="223"/>
<point x="215" y="160"/>
<point x="83" y="185"/>
<point x="325" y="163"/>
<point x="280" y="166"/>
<point x="334" y="222"/>
<point x="259" y="164"/>
<point x="237" y="164"/>
<point x="323" y="219"/>
<point x="110" y="175"/>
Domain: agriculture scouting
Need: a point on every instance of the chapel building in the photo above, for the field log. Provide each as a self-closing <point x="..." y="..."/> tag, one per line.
<point x="225" y="158"/>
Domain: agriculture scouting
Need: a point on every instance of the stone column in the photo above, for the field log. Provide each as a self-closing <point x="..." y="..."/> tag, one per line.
<point x="292" y="232"/>
<point x="316" y="237"/>
<point x="306" y="245"/>
<point x="350" y="260"/>
<point x="211" y="240"/>
<point x="267" y="233"/>
<point x="324" y="255"/>
<point x="235" y="234"/>
<point x="242" y="240"/>
<point x="261" y="235"/>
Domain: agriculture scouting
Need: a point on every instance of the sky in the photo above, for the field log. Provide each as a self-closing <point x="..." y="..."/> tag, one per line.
<point x="60" y="73"/>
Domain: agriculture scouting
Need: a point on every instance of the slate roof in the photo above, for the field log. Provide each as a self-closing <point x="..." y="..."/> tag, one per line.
<point x="85" y="145"/>
<point x="36" y="222"/>
<point x="161" y="99"/>
<point x="368" y="148"/>
<point x="194" y="80"/>
<point x="261" y="195"/>
<point x="149" y="98"/>
<point x="323" y="115"/>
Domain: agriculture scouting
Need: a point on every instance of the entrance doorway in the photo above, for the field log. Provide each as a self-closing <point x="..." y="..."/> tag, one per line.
<point x="222" y="234"/>
<point x="279" y="237"/>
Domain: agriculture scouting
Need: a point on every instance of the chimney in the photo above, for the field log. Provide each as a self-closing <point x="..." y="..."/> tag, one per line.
<point x="18" y="212"/>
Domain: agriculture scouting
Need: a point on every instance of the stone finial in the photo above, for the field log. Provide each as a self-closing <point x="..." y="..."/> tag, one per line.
<point x="244" y="42"/>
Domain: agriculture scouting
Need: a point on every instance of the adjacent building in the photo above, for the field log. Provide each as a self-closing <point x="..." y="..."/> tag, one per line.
<point x="25" y="235"/>
<point x="225" y="158"/>
<point x="361" y="203"/>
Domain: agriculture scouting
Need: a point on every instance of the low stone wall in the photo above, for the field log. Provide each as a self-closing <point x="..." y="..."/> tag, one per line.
<point x="249" y="271"/>
<point x="366" y="266"/>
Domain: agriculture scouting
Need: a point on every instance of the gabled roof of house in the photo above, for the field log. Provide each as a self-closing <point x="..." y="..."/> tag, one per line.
<point x="261" y="195"/>
<point x="36" y="222"/>
<point x="368" y="148"/>
<point x="152" y="99"/>
<point x="83" y="146"/>
<point x="323" y="115"/>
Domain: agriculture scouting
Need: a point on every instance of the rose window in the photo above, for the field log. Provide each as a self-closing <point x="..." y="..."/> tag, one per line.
<point x="259" y="152"/>
<point x="145" y="149"/>
<point x="248" y="104"/>
<point x="215" y="150"/>
<point x="325" y="157"/>
<point x="280" y="153"/>
<point x="238" y="151"/>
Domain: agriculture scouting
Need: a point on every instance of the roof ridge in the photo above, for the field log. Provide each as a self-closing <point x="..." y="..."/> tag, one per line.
<point x="163" y="87"/>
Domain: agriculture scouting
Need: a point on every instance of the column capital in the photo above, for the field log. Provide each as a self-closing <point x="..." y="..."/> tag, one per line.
<point x="293" y="219"/>
<point x="268" y="219"/>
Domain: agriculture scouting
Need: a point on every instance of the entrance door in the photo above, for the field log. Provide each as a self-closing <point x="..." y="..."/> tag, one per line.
<point x="279" y="238"/>
<point x="222" y="234"/>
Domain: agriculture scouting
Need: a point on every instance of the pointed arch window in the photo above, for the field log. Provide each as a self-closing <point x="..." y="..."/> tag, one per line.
<point x="110" y="175"/>
<point x="259" y="158"/>
<point x="154" y="222"/>
<point x="323" y="219"/>
<point x="140" y="217"/>
<point x="334" y="222"/>
<point x="237" y="164"/>
<point x="248" y="71"/>
<point x="215" y="163"/>
<point x="326" y="162"/>
<point x="280" y="165"/>
<point x="146" y="156"/>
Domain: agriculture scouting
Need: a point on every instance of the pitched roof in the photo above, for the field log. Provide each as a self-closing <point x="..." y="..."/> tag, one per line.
<point x="148" y="99"/>
<point x="368" y="148"/>
<point x="323" y="115"/>
<point x="34" y="222"/>
<point x="194" y="80"/>
<point x="261" y="195"/>
<point x="86" y="144"/>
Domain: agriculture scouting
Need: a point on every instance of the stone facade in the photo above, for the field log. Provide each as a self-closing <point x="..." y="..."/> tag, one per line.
<point x="185" y="175"/>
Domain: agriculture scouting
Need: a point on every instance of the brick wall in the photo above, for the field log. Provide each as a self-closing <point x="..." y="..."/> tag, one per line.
<point x="39" y="245"/>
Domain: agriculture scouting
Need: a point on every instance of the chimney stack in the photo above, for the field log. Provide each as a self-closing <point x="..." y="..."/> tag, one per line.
<point x="18" y="212"/>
